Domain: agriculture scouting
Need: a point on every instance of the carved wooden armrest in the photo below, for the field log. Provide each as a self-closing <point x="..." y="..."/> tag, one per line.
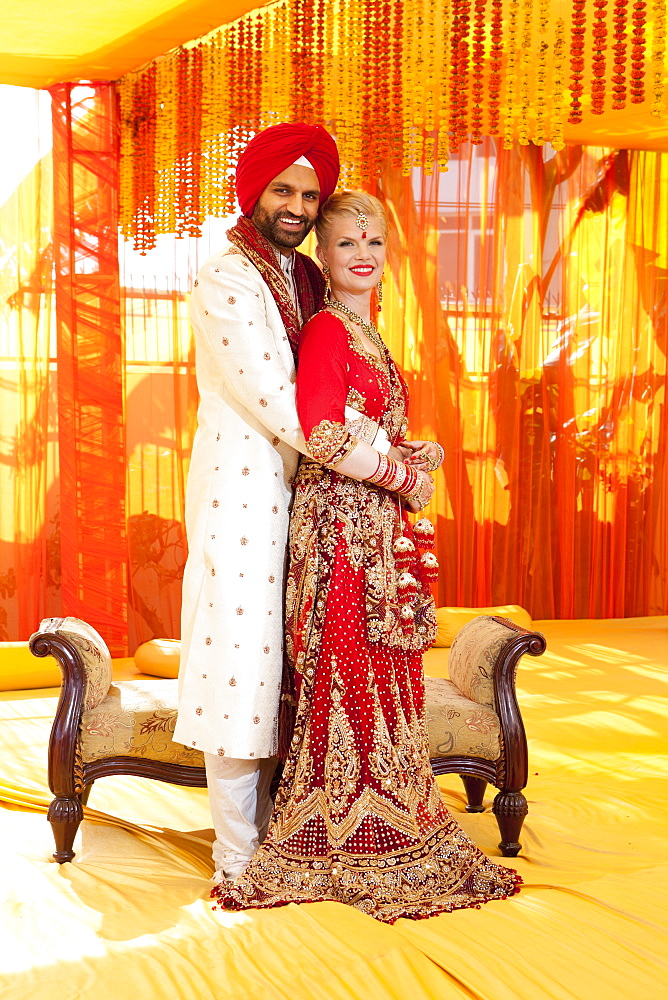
<point x="484" y="656"/>
<point x="483" y="665"/>
<point x="85" y="665"/>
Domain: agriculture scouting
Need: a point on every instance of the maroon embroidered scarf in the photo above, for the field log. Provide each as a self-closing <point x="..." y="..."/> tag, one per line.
<point x="308" y="279"/>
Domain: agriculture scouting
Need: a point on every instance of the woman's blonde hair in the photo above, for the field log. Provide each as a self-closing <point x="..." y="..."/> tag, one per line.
<point x="348" y="203"/>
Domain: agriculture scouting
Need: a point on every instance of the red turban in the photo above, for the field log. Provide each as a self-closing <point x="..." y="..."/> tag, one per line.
<point x="278" y="147"/>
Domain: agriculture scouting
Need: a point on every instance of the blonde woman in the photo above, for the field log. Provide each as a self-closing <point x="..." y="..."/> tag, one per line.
<point x="358" y="816"/>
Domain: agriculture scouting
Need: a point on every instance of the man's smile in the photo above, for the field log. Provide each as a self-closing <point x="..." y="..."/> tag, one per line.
<point x="286" y="220"/>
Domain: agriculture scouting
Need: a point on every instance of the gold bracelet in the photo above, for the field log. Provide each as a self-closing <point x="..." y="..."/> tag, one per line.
<point x="433" y="465"/>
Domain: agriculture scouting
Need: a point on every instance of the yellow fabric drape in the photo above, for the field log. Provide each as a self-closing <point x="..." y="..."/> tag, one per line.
<point x="29" y="490"/>
<point x="131" y="917"/>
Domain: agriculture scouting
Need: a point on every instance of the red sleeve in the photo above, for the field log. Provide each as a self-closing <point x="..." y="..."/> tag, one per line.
<point x="322" y="388"/>
<point x="322" y="376"/>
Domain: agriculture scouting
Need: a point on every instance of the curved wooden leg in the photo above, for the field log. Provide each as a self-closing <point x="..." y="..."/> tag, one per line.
<point x="65" y="815"/>
<point x="85" y="794"/>
<point x="475" y="791"/>
<point x="510" y="808"/>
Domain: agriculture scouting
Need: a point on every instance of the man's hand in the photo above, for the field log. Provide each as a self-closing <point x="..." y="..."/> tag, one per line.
<point x="400" y="454"/>
<point x="424" y="455"/>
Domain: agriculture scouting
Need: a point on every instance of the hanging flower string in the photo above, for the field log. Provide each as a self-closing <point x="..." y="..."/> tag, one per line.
<point x="443" y="144"/>
<point x="557" y="115"/>
<point x="459" y="72"/>
<point x="578" y="29"/>
<point x="478" y="56"/>
<point x="619" y="20"/>
<point x="511" y="75"/>
<point x="658" y="57"/>
<point x="526" y="69"/>
<point x="541" y="74"/>
<point x="600" y="34"/>
<point x="495" y="64"/>
<point x="396" y="84"/>
<point x="637" y="87"/>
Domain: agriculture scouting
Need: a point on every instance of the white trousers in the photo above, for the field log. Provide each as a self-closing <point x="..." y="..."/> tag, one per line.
<point x="240" y="806"/>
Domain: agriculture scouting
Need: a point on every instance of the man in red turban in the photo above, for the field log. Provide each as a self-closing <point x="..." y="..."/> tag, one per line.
<point x="247" y="307"/>
<point x="277" y="148"/>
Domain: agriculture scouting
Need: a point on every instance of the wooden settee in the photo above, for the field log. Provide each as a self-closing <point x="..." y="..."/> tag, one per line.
<point x="103" y="728"/>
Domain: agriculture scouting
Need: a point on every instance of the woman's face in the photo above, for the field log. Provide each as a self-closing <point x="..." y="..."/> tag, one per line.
<point x="355" y="258"/>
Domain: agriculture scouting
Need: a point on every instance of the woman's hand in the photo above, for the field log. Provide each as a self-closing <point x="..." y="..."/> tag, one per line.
<point x="424" y="495"/>
<point x="425" y="455"/>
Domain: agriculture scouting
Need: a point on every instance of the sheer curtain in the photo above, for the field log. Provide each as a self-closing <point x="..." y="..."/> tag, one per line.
<point x="528" y="307"/>
<point x="29" y="488"/>
<point x="525" y="298"/>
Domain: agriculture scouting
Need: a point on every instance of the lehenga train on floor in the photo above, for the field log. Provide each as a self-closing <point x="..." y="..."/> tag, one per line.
<point x="358" y="816"/>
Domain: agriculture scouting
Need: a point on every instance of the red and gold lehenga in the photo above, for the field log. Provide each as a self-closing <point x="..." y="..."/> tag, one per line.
<point x="358" y="816"/>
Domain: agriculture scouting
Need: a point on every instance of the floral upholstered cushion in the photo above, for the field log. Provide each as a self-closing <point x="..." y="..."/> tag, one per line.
<point x="93" y="652"/>
<point x="136" y="719"/>
<point x="473" y="655"/>
<point x="458" y="726"/>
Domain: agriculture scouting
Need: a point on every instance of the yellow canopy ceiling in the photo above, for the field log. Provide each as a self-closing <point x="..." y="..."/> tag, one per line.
<point x="49" y="41"/>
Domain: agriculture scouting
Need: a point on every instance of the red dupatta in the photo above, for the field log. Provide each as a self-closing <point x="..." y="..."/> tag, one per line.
<point x="309" y="282"/>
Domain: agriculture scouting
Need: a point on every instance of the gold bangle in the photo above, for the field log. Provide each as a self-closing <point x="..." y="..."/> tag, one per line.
<point x="433" y="465"/>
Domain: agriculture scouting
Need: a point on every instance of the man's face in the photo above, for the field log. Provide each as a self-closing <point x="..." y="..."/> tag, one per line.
<point x="287" y="208"/>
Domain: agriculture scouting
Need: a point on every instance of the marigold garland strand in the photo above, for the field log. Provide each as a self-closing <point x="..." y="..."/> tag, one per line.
<point x="495" y="64"/>
<point x="619" y="20"/>
<point x="541" y="76"/>
<point x="637" y="87"/>
<point x="658" y="57"/>
<point x="578" y="31"/>
<point x="478" y="60"/>
<point x="526" y="70"/>
<point x="557" y="114"/>
<point x="600" y="34"/>
<point x="511" y="74"/>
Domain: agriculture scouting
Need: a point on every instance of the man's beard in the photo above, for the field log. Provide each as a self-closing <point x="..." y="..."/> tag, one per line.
<point x="269" y="226"/>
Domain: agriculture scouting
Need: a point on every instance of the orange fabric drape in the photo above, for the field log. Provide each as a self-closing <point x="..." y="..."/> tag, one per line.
<point x="91" y="435"/>
<point x="526" y="301"/>
<point x="527" y="304"/>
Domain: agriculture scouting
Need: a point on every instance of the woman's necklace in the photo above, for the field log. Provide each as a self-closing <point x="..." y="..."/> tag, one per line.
<point x="369" y="329"/>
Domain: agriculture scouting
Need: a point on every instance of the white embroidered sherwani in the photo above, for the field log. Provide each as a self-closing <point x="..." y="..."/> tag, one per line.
<point x="238" y="496"/>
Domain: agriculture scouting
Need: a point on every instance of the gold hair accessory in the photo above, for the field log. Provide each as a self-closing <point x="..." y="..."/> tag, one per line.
<point x="362" y="223"/>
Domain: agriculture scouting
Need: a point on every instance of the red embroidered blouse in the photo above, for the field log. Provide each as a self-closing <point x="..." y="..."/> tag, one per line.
<point x="335" y="371"/>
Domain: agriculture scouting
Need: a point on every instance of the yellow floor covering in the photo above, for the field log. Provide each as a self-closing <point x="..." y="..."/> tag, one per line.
<point x="130" y="917"/>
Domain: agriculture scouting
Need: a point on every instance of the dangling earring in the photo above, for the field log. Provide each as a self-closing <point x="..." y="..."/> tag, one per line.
<point x="328" y="287"/>
<point x="379" y="289"/>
